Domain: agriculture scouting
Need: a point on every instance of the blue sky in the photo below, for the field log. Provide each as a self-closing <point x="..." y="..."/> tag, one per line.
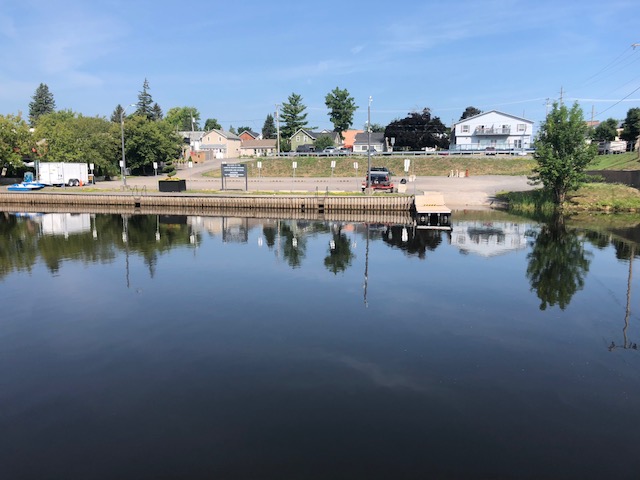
<point x="235" y="61"/>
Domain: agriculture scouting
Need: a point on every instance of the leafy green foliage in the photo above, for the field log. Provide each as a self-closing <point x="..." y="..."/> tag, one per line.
<point x="269" y="129"/>
<point x="631" y="128"/>
<point x="42" y="103"/>
<point x="605" y="131"/>
<point x="147" y="142"/>
<point x="15" y="141"/>
<point x="322" y="142"/>
<point x="183" y="118"/>
<point x="212" y="124"/>
<point x="66" y="136"/>
<point x="341" y="107"/>
<point x="470" y="112"/>
<point x="418" y="130"/>
<point x="562" y="152"/>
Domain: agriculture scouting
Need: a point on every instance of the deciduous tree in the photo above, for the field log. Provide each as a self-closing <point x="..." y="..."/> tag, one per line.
<point x="212" y="124"/>
<point x="418" y="130"/>
<point x="66" y="136"/>
<point x="183" y="118"/>
<point x="15" y="141"/>
<point x="470" y="112"/>
<point x="631" y="127"/>
<point x="341" y="107"/>
<point x="605" y="131"/>
<point x="562" y="152"/>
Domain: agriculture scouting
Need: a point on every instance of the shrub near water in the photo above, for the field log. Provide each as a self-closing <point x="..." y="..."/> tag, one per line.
<point x="596" y="197"/>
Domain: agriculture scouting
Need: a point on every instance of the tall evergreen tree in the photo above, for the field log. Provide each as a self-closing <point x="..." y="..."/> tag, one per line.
<point x="41" y="104"/>
<point x="116" y="116"/>
<point x="341" y="107"/>
<point x="156" y="112"/>
<point x="145" y="102"/>
<point x="293" y="117"/>
<point x="269" y="128"/>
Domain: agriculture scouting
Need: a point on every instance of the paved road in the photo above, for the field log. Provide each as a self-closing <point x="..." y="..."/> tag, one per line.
<point x="458" y="191"/>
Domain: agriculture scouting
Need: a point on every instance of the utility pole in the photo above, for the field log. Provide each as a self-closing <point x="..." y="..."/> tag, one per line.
<point x="561" y="96"/>
<point x="369" y="146"/>
<point x="278" y="128"/>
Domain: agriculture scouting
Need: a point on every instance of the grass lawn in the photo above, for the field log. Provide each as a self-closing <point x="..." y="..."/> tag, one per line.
<point x="431" y="165"/>
<point x="621" y="161"/>
<point x="591" y="197"/>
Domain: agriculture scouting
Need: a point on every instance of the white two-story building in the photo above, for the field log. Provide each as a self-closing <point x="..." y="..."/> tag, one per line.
<point x="492" y="129"/>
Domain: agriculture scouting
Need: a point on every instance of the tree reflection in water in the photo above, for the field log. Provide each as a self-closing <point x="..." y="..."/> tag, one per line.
<point x="558" y="264"/>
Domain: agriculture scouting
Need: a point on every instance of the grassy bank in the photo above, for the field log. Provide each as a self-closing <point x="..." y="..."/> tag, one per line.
<point x="312" y="167"/>
<point x="591" y="197"/>
<point x="429" y="165"/>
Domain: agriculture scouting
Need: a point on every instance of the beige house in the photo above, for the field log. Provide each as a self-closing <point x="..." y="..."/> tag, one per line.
<point x="223" y="144"/>
<point x="258" y="148"/>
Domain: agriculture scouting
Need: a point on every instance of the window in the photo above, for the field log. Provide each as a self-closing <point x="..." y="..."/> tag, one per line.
<point x="465" y="128"/>
<point x="522" y="127"/>
<point x="297" y="138"/>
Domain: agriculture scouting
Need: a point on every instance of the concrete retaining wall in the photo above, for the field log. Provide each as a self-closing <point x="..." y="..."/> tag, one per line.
<point x="317" y="204"/>
<point x="631" y="178"/>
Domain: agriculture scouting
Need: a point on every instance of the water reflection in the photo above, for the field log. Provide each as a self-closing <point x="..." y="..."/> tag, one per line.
<point x="558" y="264"/>
<point x="557" y="261"/>
<point x="248" y="337"/>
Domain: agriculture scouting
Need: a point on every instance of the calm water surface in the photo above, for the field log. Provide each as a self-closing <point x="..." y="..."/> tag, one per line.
<point x="157" y="347"/>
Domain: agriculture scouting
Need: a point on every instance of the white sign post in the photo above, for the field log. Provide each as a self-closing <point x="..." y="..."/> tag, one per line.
<point x="294" y="165"/>
<point x="407" y="163"/>
<point x="259" y="165"/>
<point x="155" y="168"/>
<point x="333" y="166"/>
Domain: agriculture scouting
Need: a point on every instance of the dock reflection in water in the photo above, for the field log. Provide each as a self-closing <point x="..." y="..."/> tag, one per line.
<point x="178" y="346"/>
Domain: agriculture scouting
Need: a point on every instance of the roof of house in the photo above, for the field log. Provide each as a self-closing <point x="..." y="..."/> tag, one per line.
<point x="250" y="132"/>
<point x="225" y="134"/>
<point x="492" y="111"/>
<point x="266" y="143"/>
<point x="363" y="138"/>
<point x="191" y="135"/>
<point x="315" y="135"/>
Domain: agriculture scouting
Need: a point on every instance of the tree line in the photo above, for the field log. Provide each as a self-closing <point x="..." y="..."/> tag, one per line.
<point x="151" y="135"/>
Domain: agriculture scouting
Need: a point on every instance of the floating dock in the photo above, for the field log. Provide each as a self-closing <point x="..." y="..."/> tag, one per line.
<point x="429" y="211"/>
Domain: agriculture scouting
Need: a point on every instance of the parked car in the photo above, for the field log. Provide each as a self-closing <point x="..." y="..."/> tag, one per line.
<point x="305" y="149"/>
<point x="330" y="150"/>
<point x="380" y="180"/>
<point x="490" y="151"/>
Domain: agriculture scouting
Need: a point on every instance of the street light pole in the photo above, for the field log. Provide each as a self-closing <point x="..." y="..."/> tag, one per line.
<point x="369" y="144"/>
<point x="123" y="166"/>
<point x="278" y="127"/>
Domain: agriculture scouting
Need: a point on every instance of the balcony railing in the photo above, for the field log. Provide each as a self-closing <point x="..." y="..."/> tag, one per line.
<point x="493" y="130"/>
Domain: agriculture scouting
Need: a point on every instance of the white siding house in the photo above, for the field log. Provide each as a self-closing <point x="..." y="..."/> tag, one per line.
<point x="492" y="129"/>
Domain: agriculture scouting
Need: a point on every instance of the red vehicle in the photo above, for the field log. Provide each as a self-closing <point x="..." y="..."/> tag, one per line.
<point x="380" y="180"/>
